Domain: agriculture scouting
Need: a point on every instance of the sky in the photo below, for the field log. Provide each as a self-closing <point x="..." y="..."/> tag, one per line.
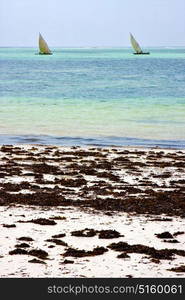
<point x="86" y="23"/>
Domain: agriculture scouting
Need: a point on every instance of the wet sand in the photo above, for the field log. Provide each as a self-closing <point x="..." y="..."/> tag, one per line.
<point x="91" y="212"/>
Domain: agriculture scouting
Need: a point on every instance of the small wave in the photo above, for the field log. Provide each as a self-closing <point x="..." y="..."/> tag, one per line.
<point x="87" y="141"/>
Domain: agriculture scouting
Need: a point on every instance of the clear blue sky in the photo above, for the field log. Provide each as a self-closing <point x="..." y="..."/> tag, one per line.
<point x="92" y="22"/>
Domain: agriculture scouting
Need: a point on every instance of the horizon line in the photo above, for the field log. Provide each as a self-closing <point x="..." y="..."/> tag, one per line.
<point x="95" y="46"/>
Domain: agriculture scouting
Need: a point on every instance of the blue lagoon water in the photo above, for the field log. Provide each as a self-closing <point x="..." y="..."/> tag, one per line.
<point x="93" y="96"/>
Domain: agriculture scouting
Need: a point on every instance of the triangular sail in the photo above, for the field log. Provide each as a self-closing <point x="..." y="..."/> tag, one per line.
<point x="43" y="46"/>
<point x="135" y="44"/>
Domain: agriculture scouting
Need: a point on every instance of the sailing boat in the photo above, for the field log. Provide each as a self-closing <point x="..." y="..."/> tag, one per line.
<point x="43" y="46"/>
<point x="136" y="46"/>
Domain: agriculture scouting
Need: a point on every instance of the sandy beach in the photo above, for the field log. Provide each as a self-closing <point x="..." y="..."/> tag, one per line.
<point x="91" y="212"/>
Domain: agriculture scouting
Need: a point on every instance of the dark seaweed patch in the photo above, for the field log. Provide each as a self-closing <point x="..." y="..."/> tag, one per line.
<point x="82" y="253"/>
<point x="108" y="234"/>
<point x="142" y="249"/>
<point x="164" y="235"/>
<point x="36" y="261"/>
<point x="25" y="238"/>
<point x="42" y="221"/>
<point x="180" y="269"/>
<point x="84" y="233"/>
<point x="57" y="242"/>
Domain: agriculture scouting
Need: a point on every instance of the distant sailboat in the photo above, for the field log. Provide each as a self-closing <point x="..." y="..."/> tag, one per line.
<point x="43" y="46"/>
<point x="136" y="46"/>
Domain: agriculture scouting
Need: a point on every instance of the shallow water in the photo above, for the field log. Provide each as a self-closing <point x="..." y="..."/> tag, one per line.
<point x="96" y="96"/>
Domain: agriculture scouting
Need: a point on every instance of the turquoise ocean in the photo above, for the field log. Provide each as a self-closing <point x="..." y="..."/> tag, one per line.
<point x="98" y="96"/>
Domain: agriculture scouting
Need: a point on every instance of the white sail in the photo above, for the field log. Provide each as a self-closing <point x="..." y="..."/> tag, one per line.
<point x="43" y="46"/>
<point x="135" y="44"/>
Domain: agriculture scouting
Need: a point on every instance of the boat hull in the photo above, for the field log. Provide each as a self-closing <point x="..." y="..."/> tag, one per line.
<point x="143" y="53"/>
<point x="40" y="53"/>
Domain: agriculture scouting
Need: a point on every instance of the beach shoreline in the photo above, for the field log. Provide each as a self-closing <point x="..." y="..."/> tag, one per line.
<point x="99" y="141"/>
<point x="91" y="211"/>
